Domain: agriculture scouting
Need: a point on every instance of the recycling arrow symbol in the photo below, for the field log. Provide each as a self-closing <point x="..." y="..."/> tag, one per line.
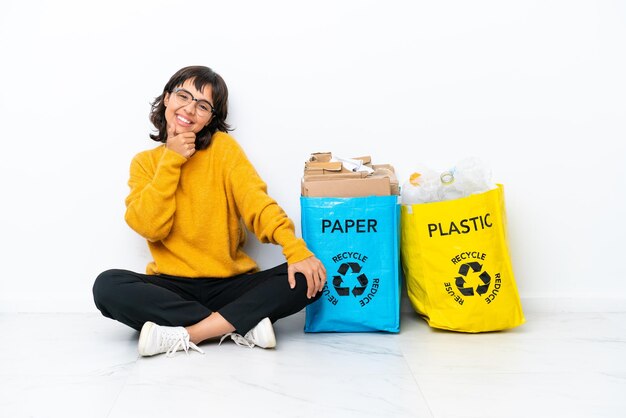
<point x="476" y="268"/>
<point x="338" y="281"/>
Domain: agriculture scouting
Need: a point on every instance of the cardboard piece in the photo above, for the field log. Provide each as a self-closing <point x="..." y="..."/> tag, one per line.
<point x="336" y="176"/>
<point x="316" y="167"/>
<point x="322" y="157"/>
<point x="356" y="187"/>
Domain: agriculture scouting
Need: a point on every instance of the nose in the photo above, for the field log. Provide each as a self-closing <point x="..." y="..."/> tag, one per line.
<point x="190" y="107"/>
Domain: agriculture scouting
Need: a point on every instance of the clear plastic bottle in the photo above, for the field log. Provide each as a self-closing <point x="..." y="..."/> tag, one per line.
<point x="450" y="188"/>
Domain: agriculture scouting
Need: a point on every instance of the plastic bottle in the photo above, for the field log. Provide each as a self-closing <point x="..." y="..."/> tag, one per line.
<point x="450" y="187"/>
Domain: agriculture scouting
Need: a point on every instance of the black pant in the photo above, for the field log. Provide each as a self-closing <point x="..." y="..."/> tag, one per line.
<point x="244" y="300"/>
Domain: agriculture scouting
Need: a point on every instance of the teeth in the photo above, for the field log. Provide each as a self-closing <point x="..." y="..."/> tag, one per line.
<point x="183" y="119"/>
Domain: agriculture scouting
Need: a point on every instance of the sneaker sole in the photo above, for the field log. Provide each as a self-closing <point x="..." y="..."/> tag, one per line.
<point x="144" y="337"/>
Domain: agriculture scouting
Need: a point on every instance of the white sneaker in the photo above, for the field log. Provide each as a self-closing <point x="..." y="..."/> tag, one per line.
<point x="262" y="335"/>
<point x="157" y="339"/>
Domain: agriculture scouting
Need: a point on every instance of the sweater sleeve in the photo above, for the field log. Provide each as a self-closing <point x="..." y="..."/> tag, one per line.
<point x="261" y="214"/>
<point x="151" y="204"/>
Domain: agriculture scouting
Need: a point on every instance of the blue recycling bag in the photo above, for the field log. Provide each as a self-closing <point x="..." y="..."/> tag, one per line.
<point x="357" y="239"/>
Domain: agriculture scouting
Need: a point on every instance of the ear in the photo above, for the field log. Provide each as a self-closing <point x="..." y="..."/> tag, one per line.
<point x="166" y="99"/>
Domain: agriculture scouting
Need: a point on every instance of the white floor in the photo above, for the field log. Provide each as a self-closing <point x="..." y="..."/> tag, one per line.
<point x="83" y="365"/>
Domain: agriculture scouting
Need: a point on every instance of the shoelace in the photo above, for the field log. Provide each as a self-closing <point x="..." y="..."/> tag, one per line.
<point x="238" y="339"/>
<point x="179" y="341"/>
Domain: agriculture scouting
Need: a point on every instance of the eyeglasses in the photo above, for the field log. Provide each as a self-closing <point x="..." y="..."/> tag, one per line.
<point x="183" y="97"/>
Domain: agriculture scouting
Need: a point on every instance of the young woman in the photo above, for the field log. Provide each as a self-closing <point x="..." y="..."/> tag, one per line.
<point x="191" y="198"/>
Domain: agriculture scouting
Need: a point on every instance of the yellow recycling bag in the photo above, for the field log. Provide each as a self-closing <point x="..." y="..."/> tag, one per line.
<point x="456" y="263"/>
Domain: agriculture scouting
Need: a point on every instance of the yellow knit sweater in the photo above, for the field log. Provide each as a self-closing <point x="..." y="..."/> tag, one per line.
<point x="191" y="212"/>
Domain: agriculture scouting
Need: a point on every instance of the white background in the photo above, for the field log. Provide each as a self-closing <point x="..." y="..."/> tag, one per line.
<point x="535" y="88"/>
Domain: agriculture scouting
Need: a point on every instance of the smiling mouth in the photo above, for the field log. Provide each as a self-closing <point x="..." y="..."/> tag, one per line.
<point x="183" y="120"/>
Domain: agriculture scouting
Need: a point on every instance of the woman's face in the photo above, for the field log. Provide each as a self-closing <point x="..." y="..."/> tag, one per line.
<point x="191" y="116"/>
